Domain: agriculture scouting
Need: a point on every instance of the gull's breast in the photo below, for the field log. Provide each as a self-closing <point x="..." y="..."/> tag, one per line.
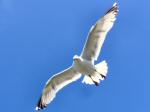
<point x="84" y="67"/>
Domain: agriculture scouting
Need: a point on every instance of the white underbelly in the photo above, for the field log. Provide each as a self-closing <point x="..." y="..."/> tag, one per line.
<point x="84" y="68"/>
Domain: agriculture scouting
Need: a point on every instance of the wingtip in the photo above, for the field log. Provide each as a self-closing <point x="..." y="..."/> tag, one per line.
<point x="40" y="108"/>
<point x="115" y="4"/>
<point x="37" y="108"/>
<point x="114" y="9"/>
<point x="40" y="105"/>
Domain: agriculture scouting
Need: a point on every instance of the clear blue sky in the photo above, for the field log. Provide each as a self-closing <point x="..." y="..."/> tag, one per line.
<point x="39" y="38"/>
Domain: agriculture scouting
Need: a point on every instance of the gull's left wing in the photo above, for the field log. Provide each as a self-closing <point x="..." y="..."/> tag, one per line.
<point x="98" y="34"/>
<point x="56" y="83"/>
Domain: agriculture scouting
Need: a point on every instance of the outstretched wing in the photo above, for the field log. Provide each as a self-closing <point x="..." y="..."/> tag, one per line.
<point x="56" y="83"/>
<point x="98" y="34"/>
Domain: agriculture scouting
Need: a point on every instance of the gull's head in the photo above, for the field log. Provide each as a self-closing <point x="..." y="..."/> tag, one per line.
<point x="77" y="58"/>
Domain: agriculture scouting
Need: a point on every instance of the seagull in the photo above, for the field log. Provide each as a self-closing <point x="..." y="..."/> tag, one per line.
<point x="83" y="65"/>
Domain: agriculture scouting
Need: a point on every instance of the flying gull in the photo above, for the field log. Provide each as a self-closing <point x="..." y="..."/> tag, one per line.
<point x="83" y="64"/>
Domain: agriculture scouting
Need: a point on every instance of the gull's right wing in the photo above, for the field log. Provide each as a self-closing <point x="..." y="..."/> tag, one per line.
<point x="98" y="34"/>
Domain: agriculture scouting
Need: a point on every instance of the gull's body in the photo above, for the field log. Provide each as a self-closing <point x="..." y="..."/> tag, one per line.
<point x="83" y="64"/>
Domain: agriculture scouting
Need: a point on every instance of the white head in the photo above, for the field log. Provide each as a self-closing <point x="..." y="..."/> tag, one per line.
<point x="77" y="58"/>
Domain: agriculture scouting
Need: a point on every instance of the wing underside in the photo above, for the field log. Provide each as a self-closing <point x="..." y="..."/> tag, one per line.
<point x="98" y="34"/>
<point x="56" y="83"/>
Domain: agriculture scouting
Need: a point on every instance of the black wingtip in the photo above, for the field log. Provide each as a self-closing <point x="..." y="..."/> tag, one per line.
<point x="96" y="83"/>
<point x="40" y="105"/>
<point x="115" y="8"/>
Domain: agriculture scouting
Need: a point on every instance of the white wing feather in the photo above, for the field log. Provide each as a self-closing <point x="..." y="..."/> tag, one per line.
<point x="56" y="83"/>
<point x="98" y="33"/>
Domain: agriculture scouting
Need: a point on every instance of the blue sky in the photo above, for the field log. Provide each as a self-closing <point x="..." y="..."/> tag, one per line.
<point x="39" y="39"/>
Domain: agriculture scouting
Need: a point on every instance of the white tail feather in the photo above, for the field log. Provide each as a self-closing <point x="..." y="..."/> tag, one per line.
<point x="87" y="80"/>
<point x="101" y="68"/>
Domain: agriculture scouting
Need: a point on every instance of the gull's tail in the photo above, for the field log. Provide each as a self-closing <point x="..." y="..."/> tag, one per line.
<point x="99" y="74"/>
<point x="102" y="68"/>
